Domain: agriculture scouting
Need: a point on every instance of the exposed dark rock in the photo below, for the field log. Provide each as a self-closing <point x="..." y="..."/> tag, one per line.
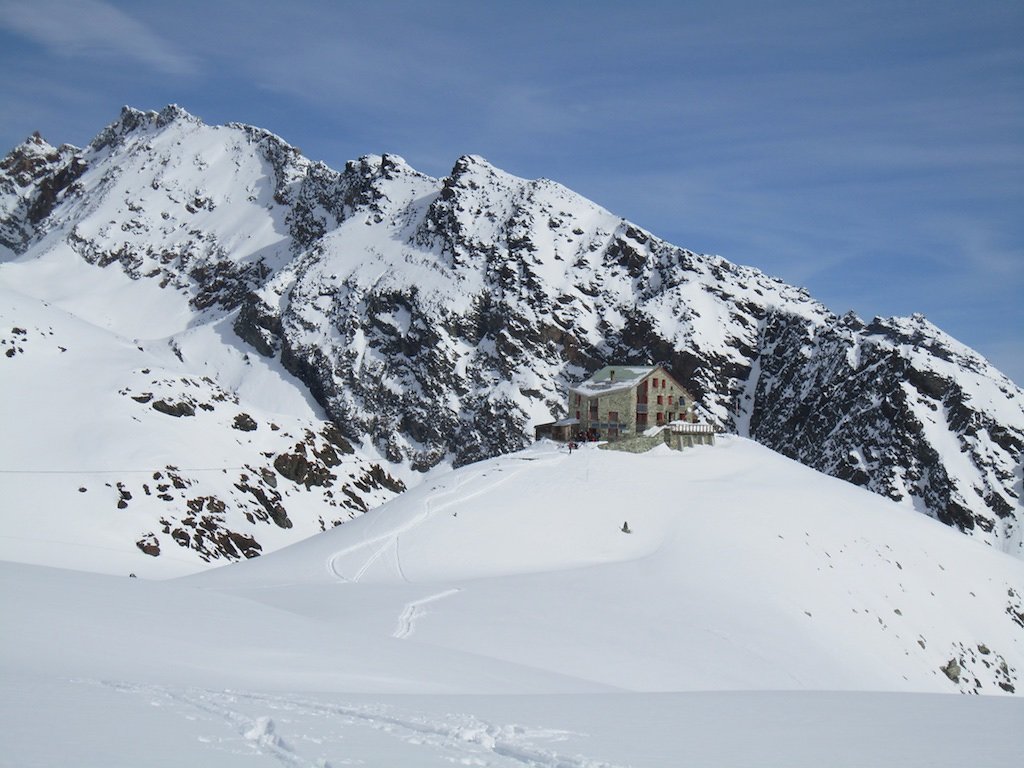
<point x="244" y="422"/>
<point x="149" y="544"/>
<point x="333" y="435"/>
<point x="297" y="468"/>
<point x="271" y="503"/>
<point x="178" y="409"/>
<point x="952" y="670"/>
<point x="258" y="325"/>
<point x="378" y="477"/>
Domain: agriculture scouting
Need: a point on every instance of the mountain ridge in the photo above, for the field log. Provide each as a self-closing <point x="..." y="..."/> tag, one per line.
<point x="438" y="319"/>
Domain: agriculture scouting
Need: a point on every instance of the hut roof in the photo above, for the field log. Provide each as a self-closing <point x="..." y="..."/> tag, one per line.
<point x="613" y="378"/>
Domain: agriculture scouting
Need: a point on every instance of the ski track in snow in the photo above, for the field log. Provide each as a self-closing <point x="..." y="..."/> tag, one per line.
<point x="413" y="611"/>
<point x="459" y="738"/>
<point x="388" y="540"/>
<point x="256" y="733"/>
<point x="448" y="496"/>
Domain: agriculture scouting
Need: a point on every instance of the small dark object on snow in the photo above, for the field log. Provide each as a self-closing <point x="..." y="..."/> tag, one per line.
<point x="625" y="528"/>
<point x="131" y="575"/>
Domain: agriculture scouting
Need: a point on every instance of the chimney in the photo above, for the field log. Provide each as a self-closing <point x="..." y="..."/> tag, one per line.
<point x="612" y="375"/>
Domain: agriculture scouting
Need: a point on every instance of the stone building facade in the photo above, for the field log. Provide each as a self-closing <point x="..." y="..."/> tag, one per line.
<point x="623" y="401"/>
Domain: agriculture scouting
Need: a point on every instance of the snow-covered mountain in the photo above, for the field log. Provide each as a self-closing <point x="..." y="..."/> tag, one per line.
<point x="435" y="320"/>
<point x="116" y="445"/>
<point x="758" y="613"/>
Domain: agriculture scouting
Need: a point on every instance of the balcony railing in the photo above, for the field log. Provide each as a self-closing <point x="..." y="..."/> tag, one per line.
<point x="685" y="428"/>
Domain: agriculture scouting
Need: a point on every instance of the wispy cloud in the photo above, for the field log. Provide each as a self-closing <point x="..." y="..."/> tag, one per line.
<point x="92" y="29"/>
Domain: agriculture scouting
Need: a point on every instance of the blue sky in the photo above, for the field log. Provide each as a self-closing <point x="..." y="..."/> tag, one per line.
<point x="870" y="151"/>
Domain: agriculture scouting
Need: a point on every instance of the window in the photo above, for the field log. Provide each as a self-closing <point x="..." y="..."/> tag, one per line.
<point x="661" y="417"/>
<point x="577" y="415"/>
<point x="670" y="416"/>
<point x="659" y="399"/>
<point x="670" y="399"/>
<point x="663" y="383"/>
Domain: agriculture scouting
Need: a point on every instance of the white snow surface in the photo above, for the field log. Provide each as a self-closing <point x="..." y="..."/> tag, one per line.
<point x="758" y="614"/>
<point x="88" y="466"/>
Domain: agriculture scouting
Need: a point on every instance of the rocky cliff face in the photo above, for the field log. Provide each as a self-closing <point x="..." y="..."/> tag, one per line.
<point x="438" y="319"/>
<point x="899" y="407"/>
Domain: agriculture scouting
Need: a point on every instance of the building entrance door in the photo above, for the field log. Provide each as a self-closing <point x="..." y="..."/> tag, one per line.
<point x="613" y="425"/>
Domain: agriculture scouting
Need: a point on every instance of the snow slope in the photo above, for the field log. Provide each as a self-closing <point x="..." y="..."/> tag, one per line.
<point x="129" y="448"/>
<point x="497" y="615"/>
<point x="808" y="582"/>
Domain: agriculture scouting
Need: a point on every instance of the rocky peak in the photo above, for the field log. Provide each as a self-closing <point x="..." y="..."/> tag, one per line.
<point x="30" y="160"/>
<point x="173" y="112"/>
<point x="33" y="177"/>
<point x="469" y="170"/>
<point x="393" y="166"/>
<point x="133" y="121"/>
<point x="129" y="121"/>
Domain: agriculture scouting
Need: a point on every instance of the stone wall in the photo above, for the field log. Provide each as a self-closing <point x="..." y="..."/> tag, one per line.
<point x="636" y="444"/>
<point x="678" y="441"/>
<point x="674" y="440"/>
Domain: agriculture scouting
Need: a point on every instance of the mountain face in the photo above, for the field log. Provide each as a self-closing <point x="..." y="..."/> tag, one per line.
<point x="437" y="320"/>
<point x="121" y="450"/>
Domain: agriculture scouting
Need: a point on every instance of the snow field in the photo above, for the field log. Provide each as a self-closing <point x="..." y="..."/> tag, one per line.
<point x="744" y="570"/>
<point x="401" y="637"/>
